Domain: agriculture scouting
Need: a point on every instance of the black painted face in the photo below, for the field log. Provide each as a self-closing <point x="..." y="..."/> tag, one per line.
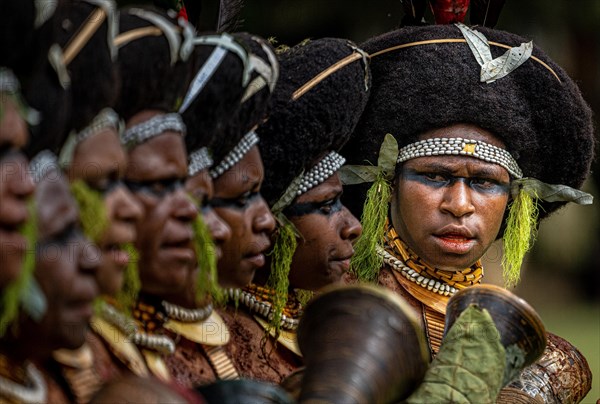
<point x="449" y="209"/>
<point x="327" y="232"/>
<point x="238" y="202"/>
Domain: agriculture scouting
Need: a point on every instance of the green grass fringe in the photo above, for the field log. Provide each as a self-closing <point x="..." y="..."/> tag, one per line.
<point x="519" y="235"/>
<point x="366" y="263"/>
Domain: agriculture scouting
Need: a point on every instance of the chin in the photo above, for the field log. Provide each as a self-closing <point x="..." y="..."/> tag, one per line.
<point x="73" y="337"/>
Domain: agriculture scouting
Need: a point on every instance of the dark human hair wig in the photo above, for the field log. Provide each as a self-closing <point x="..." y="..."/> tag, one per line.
<point x="16" y="33"/>
<point x="46" y="95"/>
<point x="93" y="75"/>
<point x="301" y="131"/>
<point x="254" y="109"/>
<point x="214" y="106"/>
<point x="537" y="111"/>
<point x="148" y="78"/>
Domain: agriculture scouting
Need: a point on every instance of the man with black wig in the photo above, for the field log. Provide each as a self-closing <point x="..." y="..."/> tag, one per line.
<point x="488" y="137"/>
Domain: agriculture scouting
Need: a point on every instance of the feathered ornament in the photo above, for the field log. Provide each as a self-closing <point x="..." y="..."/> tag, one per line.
<point x="486" y="12"/>
<point x="229" y="15"/>
<point x="449" y="11"/>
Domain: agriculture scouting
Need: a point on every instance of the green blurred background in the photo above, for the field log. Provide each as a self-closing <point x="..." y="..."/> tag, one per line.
<point x="561" y="276"/>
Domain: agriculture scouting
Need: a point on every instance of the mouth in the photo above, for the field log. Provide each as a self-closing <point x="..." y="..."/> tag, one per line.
<point x="257" y="260"/>
<point x="257" y="257"/>
<point x="117" y="254"/>
<point x="455" y="241"/>
<point x="11" y="238"/>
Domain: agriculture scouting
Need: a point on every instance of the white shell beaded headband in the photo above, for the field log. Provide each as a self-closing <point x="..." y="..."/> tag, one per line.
<point x="199" y="160"/>
<point x="223" y="43"/>
<point x="8" y="81"/>
<point x="456" y="146"/>
<point x="236" y="154"/>
<point x="320" y="172"/>
<point x="151" y="128"/>
<point x="107" y="118"/>
<point x="42" y="164"/>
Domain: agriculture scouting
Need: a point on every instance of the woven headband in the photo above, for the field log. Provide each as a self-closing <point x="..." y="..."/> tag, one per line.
<point x="199" y="160"/>
<point x="107" y="118"/>
<point x="461" y="147"/>
<point x="42" y="164"/>
<point x="236" y="154"/>
<point x="320" y="172"/>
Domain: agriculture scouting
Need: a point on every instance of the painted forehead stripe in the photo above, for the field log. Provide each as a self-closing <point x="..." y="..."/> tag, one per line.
<point x="456" y="146"/>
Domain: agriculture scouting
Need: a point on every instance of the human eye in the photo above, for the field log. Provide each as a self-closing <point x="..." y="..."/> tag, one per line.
<point x="246" y="198"/>
<point x="488" y="185"/>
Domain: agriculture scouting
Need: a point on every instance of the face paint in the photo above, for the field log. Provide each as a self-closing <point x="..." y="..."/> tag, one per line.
<point x="439" y="179"/>
<point x="326" y="208"/>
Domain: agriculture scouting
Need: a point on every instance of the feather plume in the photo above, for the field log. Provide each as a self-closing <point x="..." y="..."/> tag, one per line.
<point x="486" y="12"/>
<point x="229" y="15"/>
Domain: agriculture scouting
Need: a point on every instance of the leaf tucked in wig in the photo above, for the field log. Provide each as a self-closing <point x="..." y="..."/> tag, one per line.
<point x="518" y="237"/>
<point x="281" y="261"/>
<point x="127" y="296"/>
<point x="366" y="263"/>
<point x="15" y="293"/>
<point x="92" y="210"/>
<point x="207" y="281"/>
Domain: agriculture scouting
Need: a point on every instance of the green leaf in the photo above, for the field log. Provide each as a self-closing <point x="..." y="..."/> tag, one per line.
<point x="551" y="192"/>
<point x="351" y="175"/>
<point x="388" y="155"/>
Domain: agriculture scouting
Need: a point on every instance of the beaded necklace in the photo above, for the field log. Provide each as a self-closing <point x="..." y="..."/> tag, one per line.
<point x="117" y="329"/>
<point x="151" y="320"/>
<point x="186" y="315"/>
<point x="403" y="260"/>
<point x="29" y="386"/>
<point x="441" y="283"/>
<point x="259" y="300"/>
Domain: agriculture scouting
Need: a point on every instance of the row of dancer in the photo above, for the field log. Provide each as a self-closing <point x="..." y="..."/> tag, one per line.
<point x="184" y="196"/>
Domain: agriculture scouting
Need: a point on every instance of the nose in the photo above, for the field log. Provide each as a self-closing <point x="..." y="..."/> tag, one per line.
<point x="127" y="208"/>
<point x="263" y="221"/>
<point x="457" y="200"/>
<point x="89" y="257"/>
<point x="21" y="183"/>
<point x="219" y="230"/>
<point x="184" y="209"/>
<point x="351" y="228"/>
